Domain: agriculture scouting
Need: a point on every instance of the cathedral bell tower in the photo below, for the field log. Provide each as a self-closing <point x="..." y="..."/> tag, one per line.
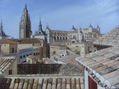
<point x="25" y="25"/>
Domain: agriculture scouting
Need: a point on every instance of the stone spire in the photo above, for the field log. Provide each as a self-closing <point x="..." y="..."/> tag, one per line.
<point x="98" y="28"/>
<point x="91" y="26"/>
<point x="25" y="25"/>
<point x="2" y="34"/>
<point x="73" y="28"/>
<point x="40" y="30"/>
<point x="80" y="30"/>
<point x="40" y="26"/>
<point x="47" y="26"/>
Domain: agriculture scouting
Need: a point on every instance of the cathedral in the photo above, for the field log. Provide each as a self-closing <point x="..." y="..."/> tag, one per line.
<point x="25" y="25"/>
<point x="73" y="36"/>
<point x="56" y="36"/>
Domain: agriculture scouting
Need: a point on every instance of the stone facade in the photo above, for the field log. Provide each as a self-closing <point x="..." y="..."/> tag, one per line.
<point x="58" y="36"/>
<point x="40" y="34"/>
<point x="25" y="25"/>
<point x="110" y="39"/>
<point x="73" y="36"/>
<point x="8" y="47"/>
<point x="23" y="48"/>
<point x="81" y="48"/>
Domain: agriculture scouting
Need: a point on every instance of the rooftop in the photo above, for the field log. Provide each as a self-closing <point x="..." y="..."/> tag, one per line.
<point x="6" y="62"/>
<point x="20" y="41"/>
<point x="58" y="82"/>
<point x="111" y="38"/>
<point x="103" y="64"/>
<point x="59" y="31"/>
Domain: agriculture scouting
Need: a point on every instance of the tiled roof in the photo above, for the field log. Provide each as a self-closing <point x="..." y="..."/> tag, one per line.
<point x="5" y="62"/>
<point x="34" y="40"/>
<point x="41" y="83"/>
<point x="111" y="38"/>
<point x="59" y="31"/>
<point x="20" y="41"/>
<point x="104" y="63"/>
<point x="8" y="41"/>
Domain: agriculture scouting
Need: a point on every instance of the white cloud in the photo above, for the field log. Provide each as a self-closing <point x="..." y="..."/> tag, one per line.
<point x="97" y="13"/>
<point x="102" y="12"/>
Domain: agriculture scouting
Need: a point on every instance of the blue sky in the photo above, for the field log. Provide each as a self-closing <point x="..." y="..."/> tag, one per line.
<point x="60" y="14"/>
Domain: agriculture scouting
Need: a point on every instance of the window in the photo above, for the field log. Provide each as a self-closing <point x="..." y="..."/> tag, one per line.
<point x="10" y="72"/>
<point x="24" y="56"/>
<point x="73" y="41"/>
<point x="12" y="50"/>
<point x="91" y="83"/>
<point x="20" y="57"/>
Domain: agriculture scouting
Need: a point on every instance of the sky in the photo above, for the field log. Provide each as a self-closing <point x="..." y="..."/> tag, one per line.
<point x="60" y="14"/>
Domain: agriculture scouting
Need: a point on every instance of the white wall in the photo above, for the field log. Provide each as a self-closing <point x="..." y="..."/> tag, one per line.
<point x="24" y="52"/>
<point x="86" y="79"/>
<point x="99" y="87"/>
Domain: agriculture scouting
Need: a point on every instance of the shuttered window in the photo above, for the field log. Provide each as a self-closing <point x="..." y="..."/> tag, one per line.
<point x="91" y="83"/>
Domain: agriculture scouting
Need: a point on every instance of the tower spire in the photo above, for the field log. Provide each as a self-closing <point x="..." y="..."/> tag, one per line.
<point x="25" y="24"/>
<point x="25" y="9"/>
<point x="40" y="22"/>
<point x="73" y="28"/>
<point x="91" y="26"/>
<point x="25" y="6"/>
<point x="1" y="30"/>
<point x="1" y="27"/>
<point x="47" y="26"/>
<point x="40" y="25"/>
<point x="98" y="28"/>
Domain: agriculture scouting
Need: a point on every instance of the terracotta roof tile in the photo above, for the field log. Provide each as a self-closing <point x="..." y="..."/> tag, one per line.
<point x="5" y="62"/>
<point x="43" y="83"/>
<point x="20" y="41"/>
<point x="105" y="62"/>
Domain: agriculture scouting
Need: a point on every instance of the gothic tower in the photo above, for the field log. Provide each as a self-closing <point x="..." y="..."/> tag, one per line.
<point x="40" y="30"/>
<point x="40" y="26"/>
<point x="25" y="25"/>
<point x="2" y="34"/>
<point x="48" y="32"/>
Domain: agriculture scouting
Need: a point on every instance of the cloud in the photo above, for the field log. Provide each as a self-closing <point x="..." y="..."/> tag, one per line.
<point x="100" y="12"/>
<point x="61" y="14"/>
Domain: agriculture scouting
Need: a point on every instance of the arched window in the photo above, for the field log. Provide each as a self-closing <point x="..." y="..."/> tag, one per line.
<point x="66" y="38"/>
<point x="60" y="38"/>
<point x="63" y="38"/>
<point x="54" y="38"/>
<point x="57" y="38"/>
